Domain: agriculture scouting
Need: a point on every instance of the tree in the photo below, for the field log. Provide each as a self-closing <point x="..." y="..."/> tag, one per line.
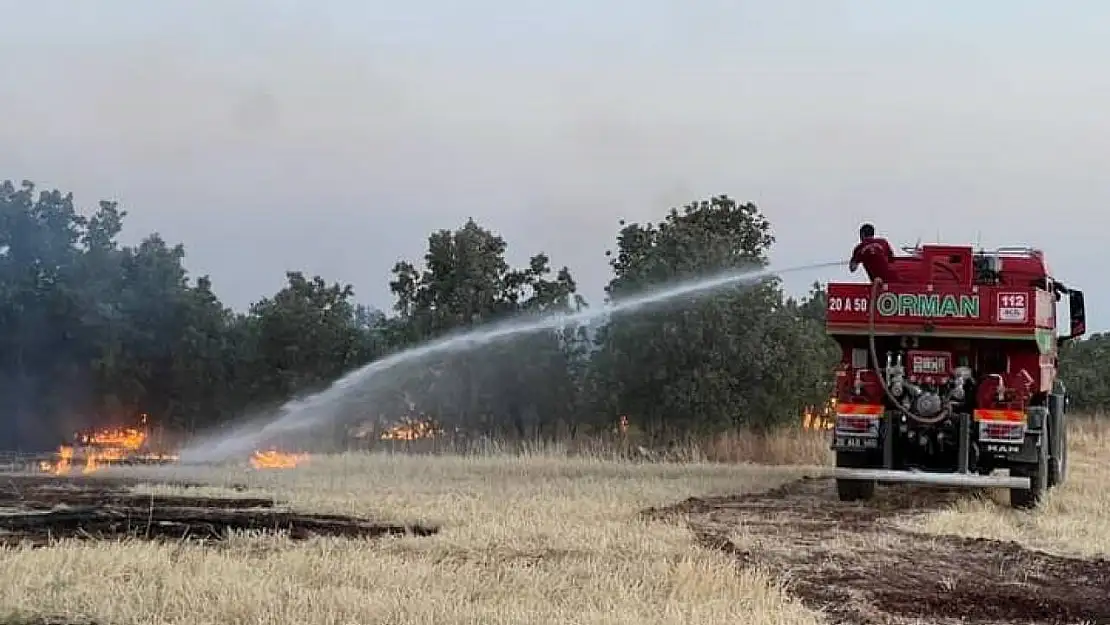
<point x="93" y="333"/>
<point x="522" y="386"/>
<point x="815" y="305"/>
<point x="306" y="335"/>
<point x="38" y="266"/>
<point x="1083" y="369"/>
<point x="739" y="356"/>
<point x="90" y="331"/>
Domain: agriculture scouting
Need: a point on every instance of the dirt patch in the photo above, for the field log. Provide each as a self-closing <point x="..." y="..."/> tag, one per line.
<point x="853" y="562"/>
<point x="37" y="510"/>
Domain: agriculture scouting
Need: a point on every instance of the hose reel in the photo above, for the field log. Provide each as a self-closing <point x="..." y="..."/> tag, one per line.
<point x="944" y="408"/>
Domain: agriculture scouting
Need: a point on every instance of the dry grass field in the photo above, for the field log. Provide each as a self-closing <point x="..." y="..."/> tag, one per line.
<point x="545" y="538"/>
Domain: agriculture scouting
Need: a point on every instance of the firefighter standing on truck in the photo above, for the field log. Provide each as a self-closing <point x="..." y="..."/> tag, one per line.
<point x="875" y="254"/>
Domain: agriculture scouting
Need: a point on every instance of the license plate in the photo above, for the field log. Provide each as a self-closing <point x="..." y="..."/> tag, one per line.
<point x="999" y="448"/>
<point x="856" y="443"/>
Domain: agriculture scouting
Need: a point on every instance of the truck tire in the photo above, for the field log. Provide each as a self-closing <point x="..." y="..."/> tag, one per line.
<point x="1021" y="498"/>
<point x="853" y="490"/>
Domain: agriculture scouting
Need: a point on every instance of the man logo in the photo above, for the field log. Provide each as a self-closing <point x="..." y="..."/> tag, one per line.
<point x="925" y="363"/>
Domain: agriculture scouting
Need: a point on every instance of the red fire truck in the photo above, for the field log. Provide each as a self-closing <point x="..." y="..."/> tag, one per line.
<point x="949" y="373"/>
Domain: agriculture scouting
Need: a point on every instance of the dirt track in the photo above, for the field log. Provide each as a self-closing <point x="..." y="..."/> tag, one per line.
<point x="855" y="564"/>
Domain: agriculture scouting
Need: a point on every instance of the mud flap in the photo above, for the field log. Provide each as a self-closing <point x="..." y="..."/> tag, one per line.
<point x="1058" y="425"/>
<point x="1038" y="418"/>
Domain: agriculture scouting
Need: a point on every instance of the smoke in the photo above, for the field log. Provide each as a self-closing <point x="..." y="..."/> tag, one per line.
<point x="37" y="414"/>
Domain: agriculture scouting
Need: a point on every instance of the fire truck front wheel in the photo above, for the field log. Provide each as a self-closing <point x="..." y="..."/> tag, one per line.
<point x="853" y="490"/>
<point x="1022" y="498"/>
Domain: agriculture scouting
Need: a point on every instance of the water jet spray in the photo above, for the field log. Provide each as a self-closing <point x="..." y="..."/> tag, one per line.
<point x="299" y="415"/>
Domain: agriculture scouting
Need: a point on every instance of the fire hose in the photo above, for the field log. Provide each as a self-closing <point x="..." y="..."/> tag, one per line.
<point x="882" y="377"/>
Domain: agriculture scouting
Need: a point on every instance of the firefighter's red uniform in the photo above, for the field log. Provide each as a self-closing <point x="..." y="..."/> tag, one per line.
<point x="877" y="258"/>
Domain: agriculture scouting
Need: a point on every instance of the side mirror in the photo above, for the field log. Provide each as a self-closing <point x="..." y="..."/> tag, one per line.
<point x="1078" y="316"/>
<point x="1077" y="313"/>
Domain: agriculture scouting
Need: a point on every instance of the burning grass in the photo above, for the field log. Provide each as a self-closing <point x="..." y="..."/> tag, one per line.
<point x="273" y="459"/>
<point x="90" y="451"/>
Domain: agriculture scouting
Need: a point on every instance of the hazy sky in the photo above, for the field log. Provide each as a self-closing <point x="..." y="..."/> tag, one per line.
<point x="332" y="137"/>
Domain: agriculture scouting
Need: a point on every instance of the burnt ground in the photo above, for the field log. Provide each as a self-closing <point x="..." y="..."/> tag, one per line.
<point x="45" y="621"/>
<point x="37" y="510"/>
<point x="856" y="565"/>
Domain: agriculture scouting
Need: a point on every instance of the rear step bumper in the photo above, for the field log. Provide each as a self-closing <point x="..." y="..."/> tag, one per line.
<point x="938" y="479"/>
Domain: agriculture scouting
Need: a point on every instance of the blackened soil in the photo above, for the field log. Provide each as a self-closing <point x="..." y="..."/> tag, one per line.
<point x="45" y="620"/>
<point x="850" y="561"/>
<point x="37" y="510"/>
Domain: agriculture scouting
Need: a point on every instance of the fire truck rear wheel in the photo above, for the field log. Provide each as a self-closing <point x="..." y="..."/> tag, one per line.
<point x="1025" y="499"/>
<point x="853" y="490"/>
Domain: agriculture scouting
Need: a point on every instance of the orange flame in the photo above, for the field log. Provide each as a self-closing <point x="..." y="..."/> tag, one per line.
<point x="103" y="447"/>
<point x="412" y="429"/>
<point x="119" y="439"/>
<point x="62" y="465"/>
<point x="824" y="419"/>
<point x="274" y="459"/>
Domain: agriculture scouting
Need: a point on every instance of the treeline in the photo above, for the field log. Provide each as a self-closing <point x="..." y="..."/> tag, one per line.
<point x="96" y="333"/>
